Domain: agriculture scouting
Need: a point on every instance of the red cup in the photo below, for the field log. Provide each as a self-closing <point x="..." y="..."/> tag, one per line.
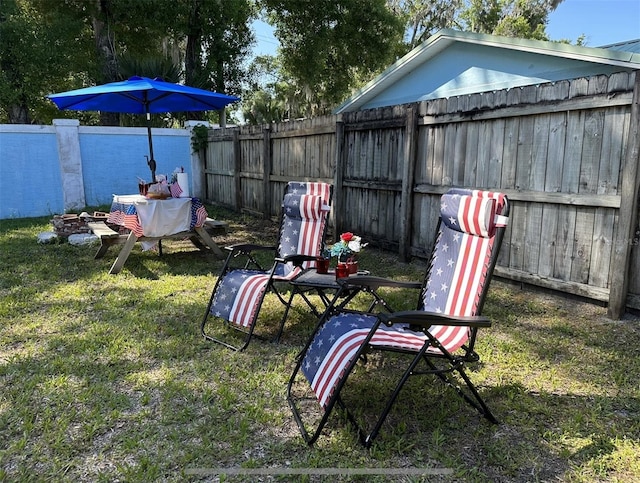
<point x="342" y="270"/>
<point x="322" y="265"/>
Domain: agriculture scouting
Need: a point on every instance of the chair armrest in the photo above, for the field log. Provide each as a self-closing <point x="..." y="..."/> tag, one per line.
<point x="296" y="259"/>
<point x="248" y="247"/>
<point x="423" y="320"/>
<point x="374" y="283"/>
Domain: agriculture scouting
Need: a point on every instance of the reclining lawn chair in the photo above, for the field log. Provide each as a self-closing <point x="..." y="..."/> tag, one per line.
<point x="243" y="283"/>
<point x="438" y="338"/>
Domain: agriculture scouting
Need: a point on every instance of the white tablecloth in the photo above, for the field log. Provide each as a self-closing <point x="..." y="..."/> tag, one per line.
<point x="160" y="217"/>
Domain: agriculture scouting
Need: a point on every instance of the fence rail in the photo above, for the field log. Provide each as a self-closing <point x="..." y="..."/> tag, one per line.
<point x="566" y="153"/>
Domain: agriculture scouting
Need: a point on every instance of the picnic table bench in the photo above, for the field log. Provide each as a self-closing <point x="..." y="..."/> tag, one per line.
<point x="201" y="237"/>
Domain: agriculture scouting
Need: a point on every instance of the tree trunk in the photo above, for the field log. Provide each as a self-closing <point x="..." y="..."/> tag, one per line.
<point x="192" y="63"/>
<point x="106" y="49"/>
<point x="18" y="114"/>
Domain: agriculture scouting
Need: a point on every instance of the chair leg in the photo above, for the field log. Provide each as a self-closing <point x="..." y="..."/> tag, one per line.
<point x="207" y="314"/>
<point x="486" y="412"/>
<point x="392" y="399"/>
<point x="295" y="291"/>
<point x="476" y="401"/>
<point x="248" y="334"/>
<point x="249" y="329"/>
<point x="311" y="438"/>
<point x="208" y="309"/>
<point x="287" y="307"/>
<point x="365" y="438"/>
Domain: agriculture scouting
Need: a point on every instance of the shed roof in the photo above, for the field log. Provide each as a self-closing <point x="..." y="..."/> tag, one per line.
<point x="456" y="63"/>
<point x="627" y="46"/>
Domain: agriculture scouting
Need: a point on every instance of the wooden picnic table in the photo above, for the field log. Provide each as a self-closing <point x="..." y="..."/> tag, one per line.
<point x="151" y="221"/>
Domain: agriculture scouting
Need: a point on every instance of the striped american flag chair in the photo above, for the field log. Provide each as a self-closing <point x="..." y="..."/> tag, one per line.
<point x="243" y="283"/>
<point x="438" y="338"/>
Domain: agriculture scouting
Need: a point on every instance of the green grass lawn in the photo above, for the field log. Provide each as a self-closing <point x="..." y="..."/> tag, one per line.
<point x="106" y="378"/>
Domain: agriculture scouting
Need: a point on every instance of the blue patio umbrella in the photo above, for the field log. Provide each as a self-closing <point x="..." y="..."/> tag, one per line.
<point x="142" y="95"/>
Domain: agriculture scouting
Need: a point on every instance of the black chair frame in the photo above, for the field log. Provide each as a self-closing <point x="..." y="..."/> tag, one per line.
<point x="421" y="321"/>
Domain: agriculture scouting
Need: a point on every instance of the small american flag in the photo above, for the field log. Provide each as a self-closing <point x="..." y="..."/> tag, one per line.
<point x="198" y="213"/>
<point x="126" y="215"/>
<point x="175" y="190"/>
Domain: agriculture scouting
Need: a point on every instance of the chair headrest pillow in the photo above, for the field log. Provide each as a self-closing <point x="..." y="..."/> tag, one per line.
<point x="303" y="207"/>
<point x="468" y="214"/>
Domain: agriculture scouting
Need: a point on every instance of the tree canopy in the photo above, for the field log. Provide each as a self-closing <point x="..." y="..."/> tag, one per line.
<point x="200" y="42"/>
<point x="511" y="18"/>
<point x="34" y="56"/>
<point x="327" y="48"/>
<point x="326" y="44"/>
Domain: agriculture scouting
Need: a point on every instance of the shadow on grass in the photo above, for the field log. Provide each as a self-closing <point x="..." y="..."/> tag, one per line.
<point x="106" y="378"/>
<point x="539" y="436"/>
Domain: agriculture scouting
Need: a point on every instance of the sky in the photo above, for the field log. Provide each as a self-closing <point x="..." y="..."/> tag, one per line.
<point x="266" y="42"/>
<point x="603" y="22"/>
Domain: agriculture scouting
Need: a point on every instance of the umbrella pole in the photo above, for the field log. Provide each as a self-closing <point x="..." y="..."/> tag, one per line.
<point x="151" y="162"/>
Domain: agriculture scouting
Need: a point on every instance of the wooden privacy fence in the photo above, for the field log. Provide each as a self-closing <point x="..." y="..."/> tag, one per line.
<point x="566" y="154"/>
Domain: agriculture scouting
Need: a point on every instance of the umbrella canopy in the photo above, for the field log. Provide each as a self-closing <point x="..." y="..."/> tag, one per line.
<point x="141" y="95"/>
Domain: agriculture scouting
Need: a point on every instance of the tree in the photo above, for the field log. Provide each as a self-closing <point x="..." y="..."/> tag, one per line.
<point x="34" y="59"/>
<point x="207" y="41"/>
<point x="272" y="95"/>
<point x="261" y="107"/>
<point x="261" y="99"/>
<point x="510" y="18"/>
<point x="50" y="46"/>
<point x="422" y="18"/>
<point x="218" y="38"/>
<point x="330" y="47"/>
<point x="88" y="42"/>
<point x="327" y="47"/>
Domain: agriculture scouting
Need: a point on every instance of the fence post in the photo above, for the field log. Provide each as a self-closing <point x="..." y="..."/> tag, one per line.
<point x="338" y="190"/>
<point x="70" y="160"/>
<point x="266" y="176"/>
<point x="237" y="165"/>
<point x="628" y="214"/>
<point x="408" y="173"/>
<point x="198" y="163"/>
